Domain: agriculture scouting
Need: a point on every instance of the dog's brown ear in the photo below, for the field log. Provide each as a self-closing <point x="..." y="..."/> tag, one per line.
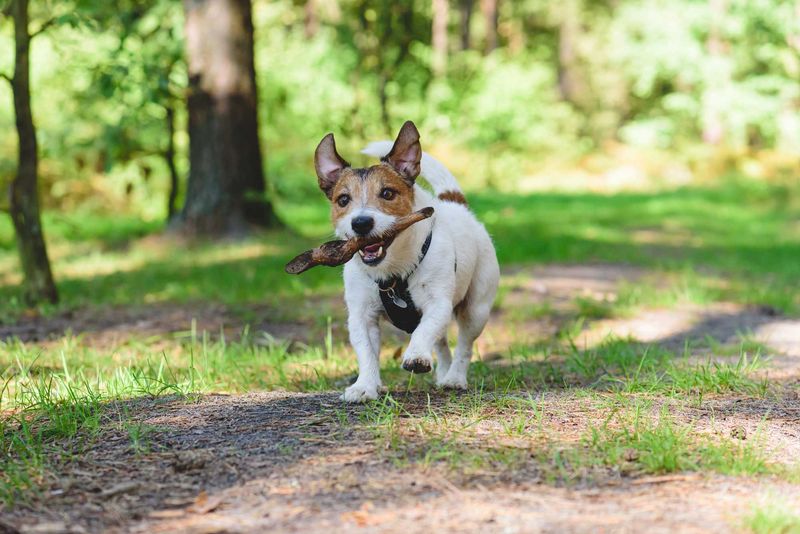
<point x="406" y="152"/>
<point x="329" y="164"/>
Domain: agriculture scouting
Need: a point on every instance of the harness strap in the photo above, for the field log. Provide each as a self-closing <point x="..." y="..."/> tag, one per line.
<point x="396" y="297"/>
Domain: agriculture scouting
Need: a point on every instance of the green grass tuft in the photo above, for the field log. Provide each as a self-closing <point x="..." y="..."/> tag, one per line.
<point x="772" y="518"/>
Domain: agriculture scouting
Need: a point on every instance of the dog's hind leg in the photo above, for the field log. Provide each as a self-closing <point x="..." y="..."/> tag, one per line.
<point x="471" y="321"/>
<point x="471" y="316"/>
<point x="443" y="358"/>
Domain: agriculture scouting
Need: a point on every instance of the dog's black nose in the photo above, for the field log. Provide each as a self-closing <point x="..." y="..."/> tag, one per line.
<point x="363" y="224"/>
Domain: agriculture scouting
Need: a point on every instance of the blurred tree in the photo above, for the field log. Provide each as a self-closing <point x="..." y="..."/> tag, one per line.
<point x="490" y="19"/>
<point x="143" y="72"/>
<point x="383" y="41"/>
<point x="39" y="285"/>
<point x="569" y="28"/>
<point x="566" y="78"/>
<point x="439" y="37"/>
<point x="465" y="22"/>
<point x="311" y="20"/>
<point x="713" y="126"/>
<point x="226" y="190"/>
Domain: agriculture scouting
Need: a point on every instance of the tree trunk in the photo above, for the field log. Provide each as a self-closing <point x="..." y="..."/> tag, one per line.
<point x="226" y="189"/>
<point x="713" y="125"/>
<point x="465" y="22"/>
<point x="311" y="21"/>
<point x="439" y="37"/>
<point x="169" y="157"/>
<point x="38" y="285"/>
<point x="569" y="78"/>
<point x="490" y="14"/>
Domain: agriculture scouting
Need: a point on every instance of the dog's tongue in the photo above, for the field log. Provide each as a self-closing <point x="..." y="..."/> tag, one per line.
<point x="372" y="248"/>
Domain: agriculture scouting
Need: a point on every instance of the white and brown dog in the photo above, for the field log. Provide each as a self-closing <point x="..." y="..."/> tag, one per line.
<point x="441" y="267"/>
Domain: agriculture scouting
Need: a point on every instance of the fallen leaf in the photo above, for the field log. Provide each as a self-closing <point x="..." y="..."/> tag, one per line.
<point x="204" y="504"/>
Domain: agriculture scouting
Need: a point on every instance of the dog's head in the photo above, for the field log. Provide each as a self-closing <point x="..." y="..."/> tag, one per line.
<point x="366" y="202"/>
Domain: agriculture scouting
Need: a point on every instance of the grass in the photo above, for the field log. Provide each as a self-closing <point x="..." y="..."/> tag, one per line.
<point x="483" y="434"/>
<point x="772" y="518"/>
<point x="746" y="252"/>
<point x="57" y="396"/>
<point x="634" y="438"/>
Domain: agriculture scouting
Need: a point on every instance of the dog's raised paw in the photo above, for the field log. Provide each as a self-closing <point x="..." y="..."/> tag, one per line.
<point x="360" y="393"/>
<point x="417" y="365"/>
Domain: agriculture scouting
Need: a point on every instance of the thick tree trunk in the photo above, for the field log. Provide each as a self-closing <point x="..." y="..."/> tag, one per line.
<point x="169" y="157"/>
<point x="226" y="190"/>
<point x="490" y="14"/>
<point x="439" y="37"/>
<point x="465" y="22"/>
<point x="38" y="285"/>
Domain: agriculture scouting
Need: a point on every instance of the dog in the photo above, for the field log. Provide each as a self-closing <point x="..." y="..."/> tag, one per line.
<point x="439" y="268"/>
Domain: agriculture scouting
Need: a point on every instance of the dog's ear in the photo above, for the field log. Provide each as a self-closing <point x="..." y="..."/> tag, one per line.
<point x="406" y="152"/>
<point x="329" y="164"/>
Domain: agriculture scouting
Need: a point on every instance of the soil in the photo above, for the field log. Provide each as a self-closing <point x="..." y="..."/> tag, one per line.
<point x="299" y="462"/>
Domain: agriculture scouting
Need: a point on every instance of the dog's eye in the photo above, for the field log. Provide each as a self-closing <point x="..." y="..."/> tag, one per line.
<point x="387" y="193"/>
<point x="343" y="200"/>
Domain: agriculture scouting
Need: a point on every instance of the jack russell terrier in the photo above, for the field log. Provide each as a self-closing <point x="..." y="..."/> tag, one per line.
<point x="440" y="268"/>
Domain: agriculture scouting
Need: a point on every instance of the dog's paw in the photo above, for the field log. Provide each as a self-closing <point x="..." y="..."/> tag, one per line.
<point x="418" y="364"/>
<point x="360" y="393"/>
<point x="452" y="381"/>
<point x="441" y="372"/>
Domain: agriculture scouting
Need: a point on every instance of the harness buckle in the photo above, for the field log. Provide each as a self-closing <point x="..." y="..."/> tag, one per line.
<point x="397" y="301"/>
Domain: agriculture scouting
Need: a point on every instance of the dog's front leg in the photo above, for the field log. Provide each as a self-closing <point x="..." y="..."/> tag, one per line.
<point x="365" y="339"/>
<point x="435" y="318"/>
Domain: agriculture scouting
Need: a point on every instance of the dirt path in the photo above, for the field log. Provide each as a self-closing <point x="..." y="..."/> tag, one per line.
<point x="279" y="462"/>
<point x="293" y="462"/>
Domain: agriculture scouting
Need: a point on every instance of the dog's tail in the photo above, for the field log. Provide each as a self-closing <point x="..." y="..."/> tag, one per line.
<point x="444" y="184"/>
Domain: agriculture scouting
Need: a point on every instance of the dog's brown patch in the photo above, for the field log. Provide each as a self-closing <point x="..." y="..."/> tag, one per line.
<point x="453" y="196"/>
<point x="367" y="185"/>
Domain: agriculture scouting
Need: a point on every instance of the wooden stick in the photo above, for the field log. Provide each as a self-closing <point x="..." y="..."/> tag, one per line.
<point x="335" y="253"/>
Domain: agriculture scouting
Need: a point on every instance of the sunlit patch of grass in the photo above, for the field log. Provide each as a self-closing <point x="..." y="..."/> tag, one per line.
<point x="632" y="438"/>
<point x="660" y="447"/>
<point x="52" y="400"/>
<point x="624" y="365"/>
<point x="621" y="365"/>
<point x="48" y="410"/>
<point x="527" y="312"/>
<point x="734" y="257"/>
<point x="503" y="435"/>
<point x="772" y="518"/>
<point x="591" y="308"/>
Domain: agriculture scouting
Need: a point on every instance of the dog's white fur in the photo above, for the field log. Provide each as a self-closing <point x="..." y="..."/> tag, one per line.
<point x="438" y="289"/>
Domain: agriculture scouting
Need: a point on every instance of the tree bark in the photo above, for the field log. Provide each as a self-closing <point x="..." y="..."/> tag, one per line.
<point x="465" y="22"/>
<point x="226" y="190"/>
<point x="439" y="37"/>
<point x="713" y="125"/>
<point x="490" y="17"/>
<point x="311" y="20"/>
<point x="569" y="79"/>
<point x="169" y="157"/>
<point x="39" y="285"/>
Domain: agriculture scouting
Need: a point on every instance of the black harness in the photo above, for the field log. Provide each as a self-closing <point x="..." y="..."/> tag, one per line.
<point x="396" y="297"/>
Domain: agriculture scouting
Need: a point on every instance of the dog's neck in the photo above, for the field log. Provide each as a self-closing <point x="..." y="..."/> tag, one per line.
<point x="402" y="257"/>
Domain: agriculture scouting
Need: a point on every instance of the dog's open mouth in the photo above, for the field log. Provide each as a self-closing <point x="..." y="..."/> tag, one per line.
<point x="373" y="254"/>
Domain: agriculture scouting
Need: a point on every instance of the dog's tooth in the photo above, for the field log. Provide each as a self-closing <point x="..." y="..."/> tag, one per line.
<point x="361" y="252"/>
<point x="380" y="251"/>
